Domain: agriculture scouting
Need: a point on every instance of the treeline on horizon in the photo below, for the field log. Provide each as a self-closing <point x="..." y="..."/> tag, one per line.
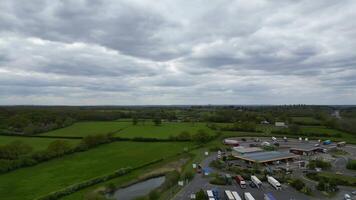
<point x="38" y="119"/>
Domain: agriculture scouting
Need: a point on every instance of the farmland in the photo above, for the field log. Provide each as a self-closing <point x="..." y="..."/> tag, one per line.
<point x="82" y="129"/>
<point x="35" y="143"/>
<point x="29" y="183"/>
<point x="126" y="129"/>
<point x="148" y="130"/>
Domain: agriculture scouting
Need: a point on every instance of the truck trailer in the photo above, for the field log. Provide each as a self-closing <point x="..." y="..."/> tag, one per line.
<point x="229" y="195"/>
<point x="248" y="196"/>
<point x="268" y="196"/>
<point x="210" y="193"/>
<point x="236" y="195"/>
<point x="240" y="181"/>
<point x="256" y="181"/>
<point x="274" y="182"/>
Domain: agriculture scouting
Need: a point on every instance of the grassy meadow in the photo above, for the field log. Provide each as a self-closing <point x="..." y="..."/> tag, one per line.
<point x="32" y="182"/>
<point x="35" y="143"/>
<point x="82" y="129"/>
<point x="306" y="120"/>
<point x="166" y="129"/>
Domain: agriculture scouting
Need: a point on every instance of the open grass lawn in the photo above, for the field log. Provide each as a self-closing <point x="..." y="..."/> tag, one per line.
<point x="89" y="128"/>
<point x="351" y="180"/>
<point x="149" y="130"/>
<point x="348" y="137"/>
<point x="306" y="120"/>
<point x="35" y="143"/>
<point x="32" y="182"/>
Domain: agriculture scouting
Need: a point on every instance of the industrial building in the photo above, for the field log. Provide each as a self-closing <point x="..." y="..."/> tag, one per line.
<point x="241" y="150"/>
<point x="266" y="157"/>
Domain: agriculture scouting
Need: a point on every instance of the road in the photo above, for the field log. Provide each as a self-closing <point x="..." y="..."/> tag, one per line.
<point x="197" y="183"/>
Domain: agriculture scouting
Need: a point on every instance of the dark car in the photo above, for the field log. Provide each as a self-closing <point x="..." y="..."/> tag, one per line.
<point x="252" y="184"/>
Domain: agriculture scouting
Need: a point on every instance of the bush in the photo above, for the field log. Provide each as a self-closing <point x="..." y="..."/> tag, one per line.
<point x="218" y="180"/>
<point x="297" y="184"/>
<point x="319" y="163"/>
<point x="218" y="164"/>
<point x="153" y="195"/>
<point x="189" y="175"/>
<point x="200" y="195"/>
<point x="201" y="136"/>
<point x="351" y="164"/>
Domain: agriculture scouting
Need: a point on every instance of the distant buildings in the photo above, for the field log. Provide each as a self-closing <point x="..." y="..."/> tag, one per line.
<point x="280" y="124"/>
<point x="264" y="122"/>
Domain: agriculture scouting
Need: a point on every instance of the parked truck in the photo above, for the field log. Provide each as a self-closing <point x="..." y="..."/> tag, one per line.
<point x="210" y="195"/>
<point x="236" y="195"/>
<point x="268" y="196"/>
<point x="216" y="193"/>
<point x="229" y="195"/>
<point x="256" y="181"/>
<point x="240" y="181"/>
<point x="274" y="182"/>
<point x="248" y="196"/>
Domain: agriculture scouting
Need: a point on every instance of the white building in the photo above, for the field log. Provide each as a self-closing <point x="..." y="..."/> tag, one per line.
<point x="280" y="124"/>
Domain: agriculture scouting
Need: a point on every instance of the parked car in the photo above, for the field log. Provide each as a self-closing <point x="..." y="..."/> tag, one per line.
<point x="252" y="184"/>
<point x="347" y="197"/>
<point x="353" y="193"/>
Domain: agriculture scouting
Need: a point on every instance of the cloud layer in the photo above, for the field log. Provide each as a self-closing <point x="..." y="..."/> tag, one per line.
<point x="177" y="52"/>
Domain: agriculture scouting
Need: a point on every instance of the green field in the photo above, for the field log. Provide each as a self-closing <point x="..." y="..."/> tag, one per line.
<point x="350" y="138"/>
<point x="35" y="143"/>
<point x="349" y="179"/>
<point x="32" y="182"/>
<point x="82" y="129"/>
<point x="148" y="130"/>
<point x="306" y="120"/>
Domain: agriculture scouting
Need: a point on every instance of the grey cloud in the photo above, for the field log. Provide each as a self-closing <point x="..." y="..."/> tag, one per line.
<point x="177" y="52"/>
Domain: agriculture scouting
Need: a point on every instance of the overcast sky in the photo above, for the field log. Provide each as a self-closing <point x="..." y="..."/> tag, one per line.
<point x="122" y="52"/>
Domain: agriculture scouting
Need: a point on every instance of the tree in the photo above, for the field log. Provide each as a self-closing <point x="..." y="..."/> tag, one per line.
<point x="200" y="195"/>
<point x="14" y="150"/>
<point x="201" y="136"/>
<point x="183" y="136"/>
<point x="153" y="195"/>
<point x="134" y="120"/>
<point x="58" y="147"/>
<point x="294" y="129"/>
<point x="297" y="184"/>
<point x="157" y="121"/>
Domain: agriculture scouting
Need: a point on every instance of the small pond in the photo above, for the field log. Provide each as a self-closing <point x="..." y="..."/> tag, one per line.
<point x="138" y="189"/>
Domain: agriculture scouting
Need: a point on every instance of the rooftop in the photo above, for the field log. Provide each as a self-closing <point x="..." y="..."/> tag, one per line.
<point x="266" y="156"/>
<point x="243" y="150"/>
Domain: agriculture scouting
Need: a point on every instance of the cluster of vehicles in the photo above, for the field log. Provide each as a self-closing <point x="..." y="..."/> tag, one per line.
<point x="233" y="195"/>
<point x="255" y="182"/>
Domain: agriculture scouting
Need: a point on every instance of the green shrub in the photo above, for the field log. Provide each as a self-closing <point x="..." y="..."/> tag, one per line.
<point x="297" y="184"/>
<point x="351" y="164"/>
<point x="319" y="163"/>
<point x="218" y="180"/>
<point x="200" y="195"/>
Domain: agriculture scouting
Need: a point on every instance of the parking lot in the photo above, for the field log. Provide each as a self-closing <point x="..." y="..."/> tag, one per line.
<point x="287" y="192"/>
